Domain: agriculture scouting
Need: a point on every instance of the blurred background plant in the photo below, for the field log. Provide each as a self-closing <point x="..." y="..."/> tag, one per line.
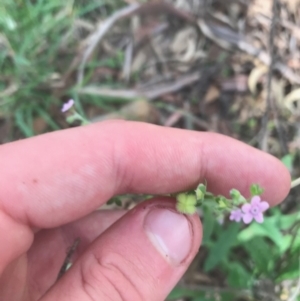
<point x="224" y="66"/>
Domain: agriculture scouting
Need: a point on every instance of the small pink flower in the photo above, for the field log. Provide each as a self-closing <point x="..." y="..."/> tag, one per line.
<point x="67" y="106"/>
<point x="236" y="215"/>
<point x="254" y="210"/>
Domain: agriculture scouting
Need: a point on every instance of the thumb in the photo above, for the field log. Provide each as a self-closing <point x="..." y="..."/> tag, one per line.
<point x="141" y="257"/>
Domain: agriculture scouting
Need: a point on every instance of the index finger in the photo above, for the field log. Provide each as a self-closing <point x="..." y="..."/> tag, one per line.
<point x="59" y="177"/>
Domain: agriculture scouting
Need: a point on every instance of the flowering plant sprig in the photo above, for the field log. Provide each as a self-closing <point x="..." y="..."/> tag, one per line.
<point x="72" y="115"/>
<point x="237" y="206"/>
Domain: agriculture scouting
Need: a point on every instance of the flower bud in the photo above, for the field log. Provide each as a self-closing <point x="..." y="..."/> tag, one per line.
<point x="237" y="198"/>
<point x="200" y="192"/>
<point x="186" y="203"/>
<point x="255" y="189"/>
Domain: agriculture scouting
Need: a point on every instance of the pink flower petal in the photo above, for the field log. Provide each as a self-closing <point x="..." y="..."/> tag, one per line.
<point x="238" y="218"/>
<point x="236" y="215"/>
<point x="255" y="201"/>
<point x="246" y="208"/>
<point x="247" y="218"/>
<point x="67" y="106"/>
<point x="259" y="218"/>
<point x="263" y="206"/>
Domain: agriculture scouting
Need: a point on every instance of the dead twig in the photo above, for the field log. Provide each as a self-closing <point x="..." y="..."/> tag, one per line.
<point x="128" y="61"/>
<point x="150" y="94"/>
<point x="199" y="122"/>
<point x="270" y="104"/>
<point x="101" y="30"/>
<point x="122" y="94"/>
<point x="68" y="258"/>
<point x="172" y="87"/>
<point x="265" y="20"/>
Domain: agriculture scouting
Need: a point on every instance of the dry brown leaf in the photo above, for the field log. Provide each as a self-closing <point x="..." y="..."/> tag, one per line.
<point x="292" y="5"/>
<point x="139" y="110"/>
<point x="221" y="35"/>
<point x="255" y="76"/>
<point x="212" y="94"/>
<point x="260" y="6"/>
<point x="291" y="99"/>
<point x="278" y="87"/>
<point x="182" y="5"/>
<point x="294" y="145"/>
<point x="39" y="125"/>
<point x="184" y="44"/>
<point x="139" y="60"/>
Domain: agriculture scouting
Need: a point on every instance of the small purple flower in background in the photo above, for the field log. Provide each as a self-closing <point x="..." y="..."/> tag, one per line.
<point x="67" y="106"/>
<point x="254" y="210"/>
<point x="236" y="215"/>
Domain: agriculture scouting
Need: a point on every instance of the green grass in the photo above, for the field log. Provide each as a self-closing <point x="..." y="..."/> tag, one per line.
<point x="36" y="48"/>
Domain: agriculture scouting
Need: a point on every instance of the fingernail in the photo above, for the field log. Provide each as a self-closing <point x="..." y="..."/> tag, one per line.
<point x="170" y="233"/>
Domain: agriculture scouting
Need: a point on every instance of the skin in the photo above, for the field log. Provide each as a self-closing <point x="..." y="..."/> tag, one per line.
<point x="51" y="185"/>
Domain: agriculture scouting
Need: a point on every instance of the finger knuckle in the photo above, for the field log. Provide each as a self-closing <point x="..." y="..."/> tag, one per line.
<point x="110" y="277"/>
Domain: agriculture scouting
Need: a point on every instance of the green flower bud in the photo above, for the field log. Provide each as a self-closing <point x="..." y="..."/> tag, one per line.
<point x="255" y="189"/>
<point x="237" y="198"/>
<point x="200" y="191"/>
<point x="186" y="203"/>
<point x="235" y="194"/>
<point x="72" y="118"/>
<point x="222" y="204"/>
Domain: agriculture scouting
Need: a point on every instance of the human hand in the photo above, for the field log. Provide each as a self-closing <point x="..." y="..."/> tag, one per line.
<point x="51" y="185"/>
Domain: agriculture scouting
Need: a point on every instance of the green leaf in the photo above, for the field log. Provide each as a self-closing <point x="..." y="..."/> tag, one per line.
<point x="238" y="276"/>
<point x="46" y="116"/>
<point x="208" y="226"/>
<point x="213" y="296"/>
<point x="291" y="274"/>
<point x="24" y="125"/>
<point x="261" y="254"/>
<point x="288" y="220"/>
<point x="288" y="160"/>
<point x="111" y="201"/>
<point x="271" y="228"/>
<point x="21" y="60"/>
<point x="118" y="202"/>
<point x="291" y="270"/>
<point x="285" y="243"/>
<point x="220" y="249"/>
<point x="295" y="247"/>
<point x="267" y="229"/>
<point x="199" y="295"/>
<point x="180" y="292"/>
